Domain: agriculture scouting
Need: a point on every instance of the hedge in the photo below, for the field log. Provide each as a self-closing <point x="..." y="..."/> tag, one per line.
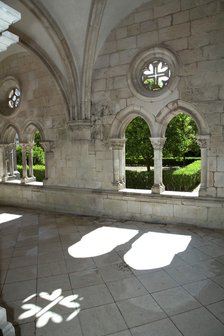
<point x="38" y="172"/>
<point x="167" y="162"/>
<point x="183" y="179"/>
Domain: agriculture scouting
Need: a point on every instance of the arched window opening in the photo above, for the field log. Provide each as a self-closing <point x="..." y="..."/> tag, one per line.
<point x="139" y="155"/>
<point x="181" y="155"/>
<point x="38" y="158"/>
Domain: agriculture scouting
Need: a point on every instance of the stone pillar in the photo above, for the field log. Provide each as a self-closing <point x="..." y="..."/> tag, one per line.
<point x="117" y="146"/>
<point x="203" y="142"/>
<point x="11" y="160"/>
<point x="48" y="151"/>
<point x="24" y="172"/>
<point x="3" y="166"/>
<point x="30" y="149"/>
<point x="158" y="186"/>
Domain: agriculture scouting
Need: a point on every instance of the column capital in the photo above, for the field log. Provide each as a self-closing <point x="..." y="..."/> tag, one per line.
<point x="203" y="141"/>
<point x="48" y="146"/>
<point x="158" y="143"/>
<point x="117" y="143"/>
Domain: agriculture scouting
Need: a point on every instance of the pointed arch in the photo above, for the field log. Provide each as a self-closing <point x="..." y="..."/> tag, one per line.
<point x="9" y="134"/>
<point x="125" y="116"/>
<point x="176" y="107"/>
<point x="30" y="129"/>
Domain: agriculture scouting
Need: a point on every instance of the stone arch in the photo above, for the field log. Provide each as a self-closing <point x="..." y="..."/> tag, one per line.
<point x="125" y="116"/>
<point x="30" y="129"/>
<point x="174" y="108"/>
<point x="9" y="133"/>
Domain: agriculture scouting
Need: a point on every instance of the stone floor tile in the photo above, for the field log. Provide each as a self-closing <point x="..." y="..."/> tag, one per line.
<point x="219" y="280"/>
<point x="54" y="268"/>
<point x="80" y="264"/>
<point x="185" y="274"/>
<point x="100" y="321"/>
<point x="217" y="309"/>
<point x="211" y="267"/>
<point x="23" y="261"/>
<point x="115" y="272"/>
<point x="93" y="296"/>
<point x="107" y="259"/>
<point x="18" y="290"/>
<point x="122" y="333"/>
<point x="53" y="282"/>
<point x="156" y="281"/>
<point x="27" y="251"/>
<point x="85" y="278"/>
<point x="212" y="250"/>
<point x="140" y="310"/>
<point x="126" y="288"/>
<point x="159" y="328"/>
<point x="193" y="256"/>
<point x="21" y="273"/>
<point x="58" y="329"/>
<point x="14" y="311"/>
<point x="198" y="322"/>
<point x="26" y="329"/>
<point x="175" y="300"/>
<point x="205" y="291"/>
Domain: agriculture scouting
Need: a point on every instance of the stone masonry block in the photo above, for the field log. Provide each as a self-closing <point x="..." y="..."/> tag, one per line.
<point x="167" y="8"/>
<point x="203" y="11"/>
<point x="126" y="43"/>
<point x="180" y="17"/>
<point x="212" y="52"/>
<point x="164" y="21"/>
<point x="109" y="47"/>
<point x="191" y="212"/>
<point x="144" y="16"/>
<point x="174" y="32"/>
<point x="102" y="62"/>
<point x="133" y="29"/>
<point x="133" y="207"/>
<point x="118" y="70"/>
<point x="121" y="32"/>
<point x="148" y="26"/>
<point x="126" y="56"/>
<point x="99" y="85"/>
<point x="147" y="39"/>
<point x="178" y="44"/>
<point x="220" y="164"/>
<point x="208" y="24"/>
<point x="120" y="82"/>
<point x="219" y="179"/>
<point x="114" y="59"/>
<point x="145" y="208"/>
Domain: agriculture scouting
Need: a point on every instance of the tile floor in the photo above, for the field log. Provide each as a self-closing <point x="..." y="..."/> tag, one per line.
<point x="82" y="276"/>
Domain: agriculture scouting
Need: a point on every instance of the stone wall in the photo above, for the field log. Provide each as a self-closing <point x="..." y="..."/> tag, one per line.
<point x="193" y="32"/>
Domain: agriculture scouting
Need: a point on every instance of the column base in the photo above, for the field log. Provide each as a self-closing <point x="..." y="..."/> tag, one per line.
<point x="158" y="188"/>
<point x="28" y="179"/>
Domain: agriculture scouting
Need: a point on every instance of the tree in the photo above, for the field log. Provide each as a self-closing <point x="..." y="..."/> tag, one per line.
<point x="138" y="145"/>
<point x="181" y="137"/>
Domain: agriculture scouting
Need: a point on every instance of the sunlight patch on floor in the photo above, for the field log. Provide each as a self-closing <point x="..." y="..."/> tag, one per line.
<point x="101" y="241"/>
<point x="154" y="250"/>
<point x="45" y="314"/>
<point x="7" y="217"/>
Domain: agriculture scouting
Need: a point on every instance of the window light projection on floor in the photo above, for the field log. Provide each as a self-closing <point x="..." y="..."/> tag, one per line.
<point x="154" y="250"/>
<point x="7" y="217"/>
<point x="44" y="315"/>
<point x="101" y="241"/>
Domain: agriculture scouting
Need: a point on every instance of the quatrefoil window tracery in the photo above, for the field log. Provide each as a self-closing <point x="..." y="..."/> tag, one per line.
<point x="14" y="98"/>
<point x="155" y="75"/>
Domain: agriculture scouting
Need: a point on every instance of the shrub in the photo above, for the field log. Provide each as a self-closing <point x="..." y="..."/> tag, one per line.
<point x="38" y="172"/>
<point x="183" y="179"/>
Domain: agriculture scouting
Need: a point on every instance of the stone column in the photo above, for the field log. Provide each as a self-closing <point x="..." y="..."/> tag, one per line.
<point x="3" y="165"/>
<point x="158" y="186"/>
<point x="203" y="142"/>
<point x="117" y="146"/>
<point x="30" y="149"/>
<point x="48" y="147"/>
<point x="24" y="172"/>
<point x="11" y="160"/>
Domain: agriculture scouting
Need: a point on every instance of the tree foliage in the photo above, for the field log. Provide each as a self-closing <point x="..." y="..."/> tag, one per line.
<point x="180" y="140"/>
<point x="138" y="144"/>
